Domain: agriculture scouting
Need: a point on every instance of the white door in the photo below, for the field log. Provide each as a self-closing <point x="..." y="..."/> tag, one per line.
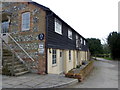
<point x="61" y="62"/>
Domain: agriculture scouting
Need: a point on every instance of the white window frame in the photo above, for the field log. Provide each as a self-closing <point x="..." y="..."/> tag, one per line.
<point x="84" y="42"/>
<point x="58" y="26"/>
<point x="25" y="21"/>
<point x="77" y="44"/>
<point x="69" y="34"/>
<point x="54" y="56"/>
<point x="81" y="40"/>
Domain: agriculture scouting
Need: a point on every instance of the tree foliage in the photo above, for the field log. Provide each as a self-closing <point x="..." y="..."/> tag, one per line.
<point x="95" y="46"/>
<point x="114" y="44"/>
<point x="106" y="49"/>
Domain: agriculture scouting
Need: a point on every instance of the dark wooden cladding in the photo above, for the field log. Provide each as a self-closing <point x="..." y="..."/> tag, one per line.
<point x="57" y="41"/>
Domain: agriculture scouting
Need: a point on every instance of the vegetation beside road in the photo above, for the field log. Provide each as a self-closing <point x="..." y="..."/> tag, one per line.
<point x="109" y="50"/>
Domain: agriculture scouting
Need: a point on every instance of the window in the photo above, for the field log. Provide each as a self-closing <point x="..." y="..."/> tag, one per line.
<point x="81" y="41"/>
<point x="69" y="55"/>
<point x="53" y="56"/>
<point x="60" y="53"/>
<point x="58" y="26"/>
<point x="25" y="21"/>
<point x="5" y="27"/>
<point x="69" y="34"/>
<point x="84" y="42"/>
<point x="77" y="41"/>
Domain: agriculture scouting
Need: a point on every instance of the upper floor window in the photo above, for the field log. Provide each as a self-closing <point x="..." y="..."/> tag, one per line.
<point x="69" y="34"/>
<point x="58" y="26"/>
<point x="77" y="41"/>
<point x="25" y="21"/>
<point x="84" y="42"/>
<point x="81" y="41"/>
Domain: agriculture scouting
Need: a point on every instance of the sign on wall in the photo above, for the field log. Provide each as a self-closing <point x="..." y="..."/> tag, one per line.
<point x="41" y="36"/>
<point x="41" y="48"/>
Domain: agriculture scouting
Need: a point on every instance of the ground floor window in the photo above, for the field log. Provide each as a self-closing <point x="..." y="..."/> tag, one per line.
<point x="54" y="56"/>
<point x="69" y="55"/>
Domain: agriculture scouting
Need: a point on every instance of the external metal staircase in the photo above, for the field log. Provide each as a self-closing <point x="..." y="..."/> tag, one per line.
<point x="12" y="62"/>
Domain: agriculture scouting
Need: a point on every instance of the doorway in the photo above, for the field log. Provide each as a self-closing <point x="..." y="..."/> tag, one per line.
<point x="5" y="30"/>
<point x="61" y="61"/>
<point x="77" y="57"/>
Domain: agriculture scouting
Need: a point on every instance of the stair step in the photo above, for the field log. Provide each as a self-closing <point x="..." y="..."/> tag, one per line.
<point x="21" y="73"/>
<point x="7" y="54"/>
<point x="5" y="50"/>
<point x="10" y="60"/>
<point x="20" y="69"/>
<point x="15" y="63"/>
<point x="19" y="65"/>
<point x="8" y="57"/>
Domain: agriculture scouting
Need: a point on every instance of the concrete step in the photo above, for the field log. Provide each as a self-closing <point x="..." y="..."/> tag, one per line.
<point x="7" y="61"/>
<point x="21" y="73"/>
<point x="19" y="65"/>
<point x="15" y="63"/>
<point x="6" y="54"/>
<point x="20" y="69"/>
<point x="8" y="57"/>
<point x="5" y="50"/>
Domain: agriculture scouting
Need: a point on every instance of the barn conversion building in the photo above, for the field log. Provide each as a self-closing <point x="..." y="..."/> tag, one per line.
<point x="40" y="39"/>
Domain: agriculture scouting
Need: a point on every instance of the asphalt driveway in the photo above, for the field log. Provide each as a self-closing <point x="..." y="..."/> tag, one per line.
<point x="104" y="75"/>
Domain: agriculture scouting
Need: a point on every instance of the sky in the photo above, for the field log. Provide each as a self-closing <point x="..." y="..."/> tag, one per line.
<point x="90" y="18"/>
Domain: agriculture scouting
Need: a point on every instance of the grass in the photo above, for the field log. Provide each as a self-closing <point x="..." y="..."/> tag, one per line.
<point x="108" y="58"/>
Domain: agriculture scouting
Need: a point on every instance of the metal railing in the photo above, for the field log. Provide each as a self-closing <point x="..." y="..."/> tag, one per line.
<point x="21" y="53"/>
<point x="20" y="47"/>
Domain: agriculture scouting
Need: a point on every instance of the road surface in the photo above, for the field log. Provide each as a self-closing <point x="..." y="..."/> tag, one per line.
<point x="104" y="75"/>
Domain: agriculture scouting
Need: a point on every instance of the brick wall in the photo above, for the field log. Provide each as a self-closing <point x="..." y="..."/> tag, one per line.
<point x="28" y="39"/>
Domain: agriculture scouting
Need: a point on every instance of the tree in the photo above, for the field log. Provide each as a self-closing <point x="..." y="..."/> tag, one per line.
<point x="114" y="44"/>
<point x="106" y="49"/>
<point x="95" y="46"/>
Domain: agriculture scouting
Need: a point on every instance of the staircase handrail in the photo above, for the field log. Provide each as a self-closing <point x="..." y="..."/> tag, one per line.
<point x="16" y="54"/>
<point x="12" y="50"/>
<point x="21" y="47"/>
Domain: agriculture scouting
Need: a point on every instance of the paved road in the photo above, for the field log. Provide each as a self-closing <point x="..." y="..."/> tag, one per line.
<point x="104" y="75"/>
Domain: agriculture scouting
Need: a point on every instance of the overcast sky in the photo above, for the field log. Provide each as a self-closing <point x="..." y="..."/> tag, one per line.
<point x="91" y="18"/>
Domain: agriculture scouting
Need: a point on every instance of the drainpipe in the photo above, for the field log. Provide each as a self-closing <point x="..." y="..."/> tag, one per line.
<point x="46" y="43"/>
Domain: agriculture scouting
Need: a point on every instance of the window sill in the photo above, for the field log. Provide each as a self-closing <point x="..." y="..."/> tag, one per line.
<point x="70" y="60"/>
<point x="54" y="65"/>
<point x="23" y="30"/>
<point x="58" y="33"/>
<point x="70" y="38"/>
